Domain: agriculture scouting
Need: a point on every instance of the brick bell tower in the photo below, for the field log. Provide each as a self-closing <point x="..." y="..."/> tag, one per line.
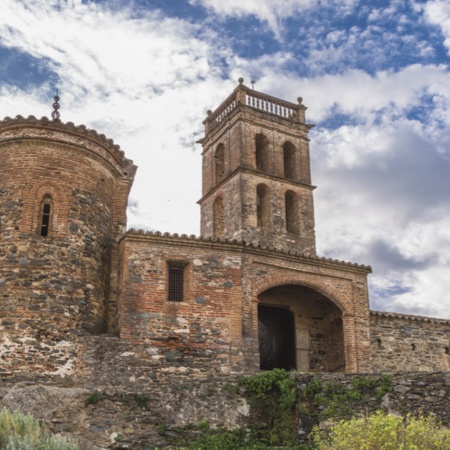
<point x="256" y="172"/>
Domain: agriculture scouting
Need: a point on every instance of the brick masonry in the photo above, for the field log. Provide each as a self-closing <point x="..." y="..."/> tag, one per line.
<point x="89" y="278"/>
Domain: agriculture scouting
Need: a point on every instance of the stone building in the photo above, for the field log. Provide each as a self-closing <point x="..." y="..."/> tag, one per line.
<point x="79" y="292"/>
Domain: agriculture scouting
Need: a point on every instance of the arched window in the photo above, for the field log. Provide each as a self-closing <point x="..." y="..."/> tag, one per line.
<point x="263" y="206"/>
<point x="46" y="212"/>
<point x="289" y="161"/>
<point x="218" y="217"/>
<point x="262" y="153"/>
<point x="292" y="212"/>
<point x="219" y="162"/>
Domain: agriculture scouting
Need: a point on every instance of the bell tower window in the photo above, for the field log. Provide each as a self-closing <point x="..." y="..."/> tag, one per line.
<point x="262" y="206"/>
<point x="218" y="217"/>
<point x="46" y="211"/>
<point x="262" y="153"/>
<point x="292" y="212"/>
<point x="219" y="159"/>
<point x="289" y="161"/>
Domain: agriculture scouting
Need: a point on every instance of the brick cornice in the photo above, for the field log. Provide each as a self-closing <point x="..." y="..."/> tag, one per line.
<point x="387" y="314"/>
<point x="222" y="244"/>
<point x="258" y="173"/>
<point x="9" y="124"/>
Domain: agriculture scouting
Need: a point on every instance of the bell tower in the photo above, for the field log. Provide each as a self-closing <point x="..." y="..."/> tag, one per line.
<point x="256" y="172"/>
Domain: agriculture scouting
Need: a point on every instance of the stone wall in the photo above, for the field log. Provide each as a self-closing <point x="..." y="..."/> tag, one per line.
<point x="136" y="414"/>
<point x="409" y="343"/>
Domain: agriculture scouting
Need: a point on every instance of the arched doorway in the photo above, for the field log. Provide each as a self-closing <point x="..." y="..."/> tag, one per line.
<point x="300" y="328"/>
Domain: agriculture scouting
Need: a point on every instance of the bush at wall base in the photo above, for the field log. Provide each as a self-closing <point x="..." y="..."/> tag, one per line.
<point x="384" y="431"/>
<point x="22" y="432"/>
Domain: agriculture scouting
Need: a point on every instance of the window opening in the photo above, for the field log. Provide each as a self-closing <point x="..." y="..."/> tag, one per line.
<point x="289" y="161"/>
<point x="292" y="212"/>
<point x="219" y="158"/>
<point x="176" y="283"/>
<point x="262" y="206"/>
<point x="262" y="153"/>
<point x="45" y="216"/>
<point x="218" y="217"/>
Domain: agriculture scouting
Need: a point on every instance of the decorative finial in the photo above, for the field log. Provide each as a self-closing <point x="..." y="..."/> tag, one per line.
<point x="253" y="84"/>
<point x="241" y="80"/>
<point x="55" y="113"/>
<point x="299" y="99"/>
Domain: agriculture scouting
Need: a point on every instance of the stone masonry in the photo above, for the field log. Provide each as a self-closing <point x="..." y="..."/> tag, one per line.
<point x="80" y="294"/>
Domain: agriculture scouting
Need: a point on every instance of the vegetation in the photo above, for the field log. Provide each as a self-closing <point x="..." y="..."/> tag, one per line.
<point x="93" y="399"/>
<point x="384" y="432"/>
<point x="22" y="432"/>
<point x="222" y="439"/>
<point x="322" y="401"/>
<point x="272" y="398"/>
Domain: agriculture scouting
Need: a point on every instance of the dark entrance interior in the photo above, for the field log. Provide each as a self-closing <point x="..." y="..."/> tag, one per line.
<point x="276" y="338"/>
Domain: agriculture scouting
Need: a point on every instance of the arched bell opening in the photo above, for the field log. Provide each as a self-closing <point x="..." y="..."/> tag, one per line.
<point x="300" y="328"/>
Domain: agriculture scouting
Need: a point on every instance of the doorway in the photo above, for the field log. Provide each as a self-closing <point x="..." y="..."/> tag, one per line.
<point x="276" y="338"/>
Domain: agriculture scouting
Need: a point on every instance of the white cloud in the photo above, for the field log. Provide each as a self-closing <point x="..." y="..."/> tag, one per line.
<point x="271" y="11"/>
<point x="437" y="12"/>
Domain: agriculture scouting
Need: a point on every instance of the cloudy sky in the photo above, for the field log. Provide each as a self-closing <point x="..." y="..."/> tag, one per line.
<point x="374" y="74"/>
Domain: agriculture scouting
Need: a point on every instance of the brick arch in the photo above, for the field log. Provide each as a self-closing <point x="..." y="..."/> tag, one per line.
<point x="334" y="294"/>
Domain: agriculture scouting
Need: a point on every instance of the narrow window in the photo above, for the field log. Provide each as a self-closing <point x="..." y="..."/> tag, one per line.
<point x="289" y="161"/>
<point x="292" y="212"/>
<point x="262" y="153"/>
<point x="46" y="214"/>
<point x="447" y="350"/>
<point x="219" y="160"/>
<point x="218" y="217"/>
<point x="262" y="206"/>
<point x="175" y="281"/>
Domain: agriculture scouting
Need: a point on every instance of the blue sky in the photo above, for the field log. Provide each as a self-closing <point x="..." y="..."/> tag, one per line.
<point x="374" y="75"/>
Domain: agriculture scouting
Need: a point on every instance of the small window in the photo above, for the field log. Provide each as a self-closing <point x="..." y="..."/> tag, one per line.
<point x="176" y="281"/>
<point x="46" y="211"/>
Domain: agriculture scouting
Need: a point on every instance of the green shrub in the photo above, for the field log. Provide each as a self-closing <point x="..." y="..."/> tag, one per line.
<point x="22" y="432"/>
<point x="384" y="432"/>
<point x="272" y="397"/>
<point x="93" y="399"/>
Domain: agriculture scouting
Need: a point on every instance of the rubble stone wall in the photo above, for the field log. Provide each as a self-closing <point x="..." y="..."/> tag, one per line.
<point x="409" y="343"/>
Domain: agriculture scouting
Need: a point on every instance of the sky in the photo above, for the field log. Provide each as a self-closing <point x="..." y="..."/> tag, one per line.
<point x="374" y="75"/>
